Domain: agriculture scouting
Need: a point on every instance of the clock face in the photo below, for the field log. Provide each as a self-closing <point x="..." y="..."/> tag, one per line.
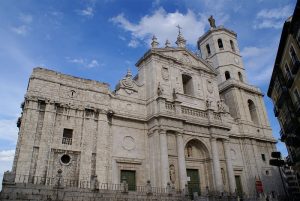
<point x="236" y="60"/>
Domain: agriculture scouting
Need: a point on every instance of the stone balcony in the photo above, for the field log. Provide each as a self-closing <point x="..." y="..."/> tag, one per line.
<point x="204" y="117"/>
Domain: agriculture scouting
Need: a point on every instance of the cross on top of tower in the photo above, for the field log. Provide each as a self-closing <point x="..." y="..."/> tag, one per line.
<point x="179" y="28"/>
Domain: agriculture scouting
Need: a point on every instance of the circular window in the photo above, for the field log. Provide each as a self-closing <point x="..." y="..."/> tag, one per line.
<point x="65" y="159"/>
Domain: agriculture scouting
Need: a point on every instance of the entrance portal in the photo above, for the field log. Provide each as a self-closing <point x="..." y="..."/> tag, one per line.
<point x="193" y="182"/>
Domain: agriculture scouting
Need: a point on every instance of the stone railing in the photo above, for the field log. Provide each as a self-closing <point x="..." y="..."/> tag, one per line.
<point x="170" y="106"/>
<point x="193" y="112"/>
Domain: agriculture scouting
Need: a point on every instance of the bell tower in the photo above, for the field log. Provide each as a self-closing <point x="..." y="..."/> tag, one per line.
<point x="219" y="47"/>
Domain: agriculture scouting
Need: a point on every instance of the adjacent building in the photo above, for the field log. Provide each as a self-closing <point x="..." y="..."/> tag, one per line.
<point x="183" y="120"/>
<point x="284" y="88"/>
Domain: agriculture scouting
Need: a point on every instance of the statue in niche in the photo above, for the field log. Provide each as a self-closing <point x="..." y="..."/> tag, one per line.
<point x="189" y="151"/>
<point x="172" y="174"/>
<point x="208" y="104"/>
<point x="174" y="94"/>
<point x="160" y="90"/>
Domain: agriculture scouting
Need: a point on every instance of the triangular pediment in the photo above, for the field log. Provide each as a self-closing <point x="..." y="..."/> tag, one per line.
<point x="182" y="56"/>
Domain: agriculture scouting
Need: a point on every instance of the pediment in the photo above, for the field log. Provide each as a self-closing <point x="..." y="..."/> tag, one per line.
<point x="185" y="57"/>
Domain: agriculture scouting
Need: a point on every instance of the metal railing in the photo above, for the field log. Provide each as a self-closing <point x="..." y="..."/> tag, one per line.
<point x="67" y="140"/>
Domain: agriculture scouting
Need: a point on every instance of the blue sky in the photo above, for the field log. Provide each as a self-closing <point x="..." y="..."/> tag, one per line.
<point x="101" y="39"/>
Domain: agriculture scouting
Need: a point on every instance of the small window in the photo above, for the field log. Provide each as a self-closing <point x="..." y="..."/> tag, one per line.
<point x="187" y="84"/>
<point x="227" y="75"/>
<point x="263" y="157"/>
<point x="42" y="105"/>
<point x="287" y="70"/>
<point x="293" y="55"/>
<point x="65" y="159"/>
<point x="67" y="136"/>
<point x="220" y="44"/>
<point x="232" y="45"/>
<point x="240" y="76"/>
<point x="296" y="95"/>
<point x="267" y="172"/>
<point x="208" y="49"/>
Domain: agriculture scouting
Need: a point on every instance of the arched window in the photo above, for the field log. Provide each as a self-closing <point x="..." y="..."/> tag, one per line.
<point x="240" y="76"/>
<point x="232" y="45"/>
<point x="227" y="75"/>
<point x="252" y="110"/>
<point x="208" y="49"/>
<point x="220" y="43"/>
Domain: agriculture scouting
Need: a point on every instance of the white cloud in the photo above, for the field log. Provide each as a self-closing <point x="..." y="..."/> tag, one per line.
<point x="8" y="130"/>
<point x="88" y="12"/>
<point x="276" y="13"/>
<point x="133" y="43"/>
<point x="163" y="26"/>
<point x="93" y="63"/>
<point x="272" y="18"/>
<point x="76" y="61"/>
<point x="26" y="18"/>
<point x="21" y="30"/>
<point x="259" y="63"/>
<point x="7" y="155"/>
<point x="24" y="28"/>
<point x="6" y="161"/>
<point x="84" y="62"/>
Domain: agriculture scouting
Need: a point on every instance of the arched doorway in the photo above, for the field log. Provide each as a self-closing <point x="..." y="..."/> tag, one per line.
<point x="198" y="167"/>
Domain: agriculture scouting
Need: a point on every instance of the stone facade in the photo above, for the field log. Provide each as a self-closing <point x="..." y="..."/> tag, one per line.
<point x="180" y="116"/>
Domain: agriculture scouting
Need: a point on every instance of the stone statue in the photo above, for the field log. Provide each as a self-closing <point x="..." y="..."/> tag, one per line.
<point x="212" y="22"/>
<point x="159" y="90"/>
<point x="174" y="94"/>
<point x="208" y="104"/>
<point x="172" y="174"/>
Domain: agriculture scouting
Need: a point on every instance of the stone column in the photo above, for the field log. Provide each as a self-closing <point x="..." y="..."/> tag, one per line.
<point x="164" y="158"/>
<point x="181" y="162"/>
<point x="216" y="165"/>
<point x="230" y="173"/>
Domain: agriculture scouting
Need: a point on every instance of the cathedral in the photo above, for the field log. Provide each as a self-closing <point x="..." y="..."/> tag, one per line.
<point x="186" y="120"/>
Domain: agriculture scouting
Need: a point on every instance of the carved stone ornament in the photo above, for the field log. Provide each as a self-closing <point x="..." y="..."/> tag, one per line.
<point x="127" y="83"/>
<point x="160" y="90"/>
<point x="185" y="59"/>
<point x="128" y="143"/>
<point x="210" y="87"/>
<point x="165" y="73"/>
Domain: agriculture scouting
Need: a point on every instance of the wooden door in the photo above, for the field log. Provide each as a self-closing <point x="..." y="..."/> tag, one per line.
<point x="194" y="183"/>
<point x="239" y="187"/>
<point x="129" y="177"/>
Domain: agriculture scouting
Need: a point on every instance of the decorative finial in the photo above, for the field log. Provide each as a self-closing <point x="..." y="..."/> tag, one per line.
<point x="168" y="44"/>
<point x="180" y="39"/>
<point x="212" y="22"/>
<point x="154" y="43"/>
<point x="129" y="74"/>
